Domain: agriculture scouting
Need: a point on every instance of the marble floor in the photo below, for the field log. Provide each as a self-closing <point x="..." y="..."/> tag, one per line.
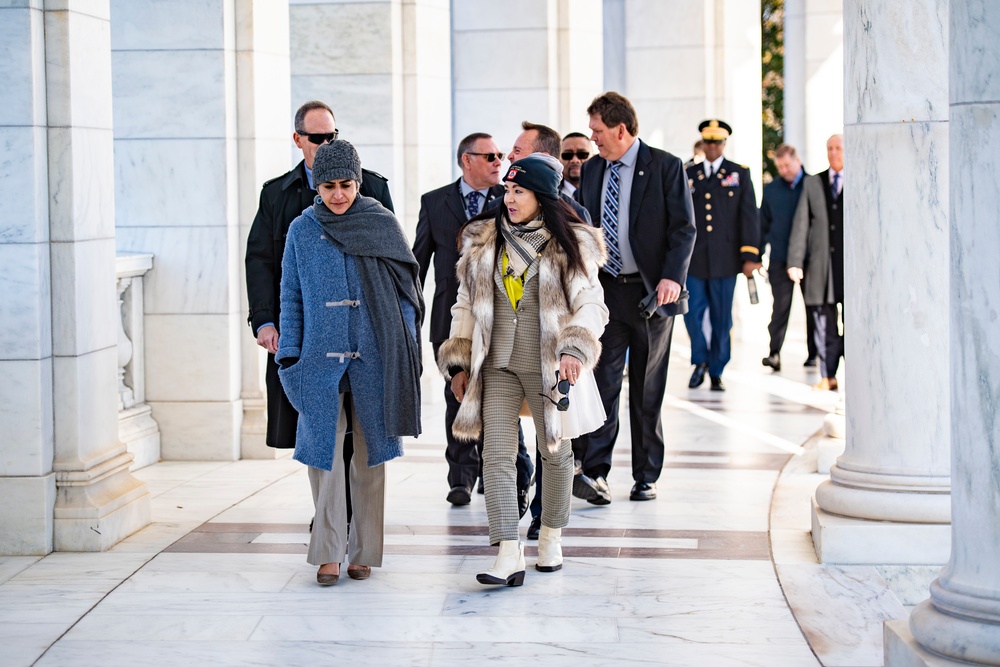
<point x="220" y="578"/>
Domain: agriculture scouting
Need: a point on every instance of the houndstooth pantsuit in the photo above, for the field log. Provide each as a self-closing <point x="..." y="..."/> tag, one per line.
<point x="511" y="373"/>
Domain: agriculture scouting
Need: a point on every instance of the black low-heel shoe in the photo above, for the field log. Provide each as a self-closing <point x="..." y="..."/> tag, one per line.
<point x="514" y="579"/>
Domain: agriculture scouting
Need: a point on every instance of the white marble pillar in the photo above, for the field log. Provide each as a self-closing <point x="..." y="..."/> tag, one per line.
<point x="264" y="127"/>
<point x="546" y="68"/>
<point x="961" y="620"/>
<point x="887" y="500"/>
<point x="794" y="76"/>
<point x="64" y="470"/>
<point x="177" y="174"/>
<point x="349" y="54"/>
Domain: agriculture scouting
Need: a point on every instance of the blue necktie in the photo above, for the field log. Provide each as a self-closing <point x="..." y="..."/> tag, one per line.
<point x="609" y="221"/>
<point x="473" y="198"/>
<point x="835" y="186"/>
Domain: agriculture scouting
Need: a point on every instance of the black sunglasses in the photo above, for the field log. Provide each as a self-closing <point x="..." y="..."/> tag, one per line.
<point x="562" y="405"/>
<point x="490" y="157"/>
<point x="580" y="155"/>
<point x="713" y="141"/>
<point x="320" y="138"/>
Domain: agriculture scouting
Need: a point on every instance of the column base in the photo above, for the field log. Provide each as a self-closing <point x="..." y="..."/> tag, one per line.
<point x="846" y="541"/>
<point x="902" y="650"/>
<point x="828" y="450"/>
<point x="140" y="434"/>
<point x="253" y="432"/>
<point x="98" y="507"/>
<point x="26" y="525"/>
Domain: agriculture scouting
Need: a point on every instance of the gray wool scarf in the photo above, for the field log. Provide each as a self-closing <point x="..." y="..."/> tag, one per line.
<point x="389" y="273"/>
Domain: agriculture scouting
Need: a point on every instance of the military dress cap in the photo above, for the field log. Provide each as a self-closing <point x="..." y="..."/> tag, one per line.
<point x="715" y="129"/>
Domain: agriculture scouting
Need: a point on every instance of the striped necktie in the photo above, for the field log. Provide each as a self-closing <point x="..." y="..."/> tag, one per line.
<point x="609" y="221"/>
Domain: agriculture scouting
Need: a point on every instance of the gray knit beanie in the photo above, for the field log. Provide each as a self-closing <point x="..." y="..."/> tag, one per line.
<point x="335" y="161"/>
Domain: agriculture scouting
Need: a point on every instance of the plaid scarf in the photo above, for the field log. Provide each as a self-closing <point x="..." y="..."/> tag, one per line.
<point x="523" y="244"/>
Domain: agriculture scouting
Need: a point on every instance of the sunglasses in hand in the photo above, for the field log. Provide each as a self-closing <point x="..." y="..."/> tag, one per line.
<point x="562" y="405"/>
<point x="320" y="138"/>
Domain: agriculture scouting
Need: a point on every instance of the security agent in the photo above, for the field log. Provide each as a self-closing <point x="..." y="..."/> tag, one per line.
<point x="726" y="245"/>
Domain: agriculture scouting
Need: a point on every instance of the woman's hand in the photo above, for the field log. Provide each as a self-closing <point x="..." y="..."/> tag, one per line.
<point x="459" y="383"/>
<point x="569" y="368"/>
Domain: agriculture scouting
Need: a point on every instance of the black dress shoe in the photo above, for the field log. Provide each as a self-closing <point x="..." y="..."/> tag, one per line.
<point x="594" y="490"/>
<point x="480" y="489"/>
<point x="522" y="502"/>
<point x="810" y="362"/>
<point x="643" y="491"/>
<point x="772" y="360"/>
<point x="459" y="495"/>
<point x="717" y="384"/>
<point x="698" y="376"/>
<point x="534" y="527"/>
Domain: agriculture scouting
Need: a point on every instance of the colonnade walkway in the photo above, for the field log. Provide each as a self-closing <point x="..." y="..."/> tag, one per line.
<point x="220" y="578"/>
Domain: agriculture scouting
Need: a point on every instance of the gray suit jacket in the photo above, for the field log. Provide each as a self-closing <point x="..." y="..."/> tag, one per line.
<point x="809" y="244"/>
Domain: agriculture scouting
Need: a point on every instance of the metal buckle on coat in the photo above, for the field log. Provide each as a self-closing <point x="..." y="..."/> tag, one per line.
<point x="353" y="303"/>
<point x="344" y="355"/>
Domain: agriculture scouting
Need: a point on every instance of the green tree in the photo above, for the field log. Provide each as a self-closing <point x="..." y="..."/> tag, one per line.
<point x="772" y="72"/>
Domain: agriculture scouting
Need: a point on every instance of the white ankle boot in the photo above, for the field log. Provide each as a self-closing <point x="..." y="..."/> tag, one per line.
<point x="549" y="549"/>
<point x="508" y="570"/>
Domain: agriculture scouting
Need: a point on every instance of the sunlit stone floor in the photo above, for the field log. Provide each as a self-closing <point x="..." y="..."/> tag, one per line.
<point x="220" y="577"/>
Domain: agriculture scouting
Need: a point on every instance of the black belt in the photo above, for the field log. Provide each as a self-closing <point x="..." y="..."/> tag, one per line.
<point x="623" y="278"/>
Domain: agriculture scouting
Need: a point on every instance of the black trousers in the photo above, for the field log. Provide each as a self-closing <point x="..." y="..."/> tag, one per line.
<point x="782" y="289"/>
<point x="465" y="459"/>
<point x="648" y="345"/>
<point x="829" y="341"/>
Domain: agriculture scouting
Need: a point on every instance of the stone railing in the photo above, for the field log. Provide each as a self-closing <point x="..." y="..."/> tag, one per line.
<point x="136" y="426"/>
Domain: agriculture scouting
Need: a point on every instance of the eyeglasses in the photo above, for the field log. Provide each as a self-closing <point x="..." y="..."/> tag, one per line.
<point x="562" y="405"/>
<point x="490" y="157"/>
<point x="319" y="138"/>
<point x="581" y="155"/>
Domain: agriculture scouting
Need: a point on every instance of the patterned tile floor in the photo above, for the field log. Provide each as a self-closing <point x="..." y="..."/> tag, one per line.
<point x="220" y="577"/>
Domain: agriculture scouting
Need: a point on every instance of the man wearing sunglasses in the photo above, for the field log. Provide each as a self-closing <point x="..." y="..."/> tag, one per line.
<point x="443" y="212"/>
<point x="283" y="199"/>
<point x="575" y="151"/>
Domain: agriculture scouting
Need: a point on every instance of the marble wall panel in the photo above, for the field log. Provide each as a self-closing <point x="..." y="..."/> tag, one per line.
<point x="142" y="25"/>
<point x="496" y="112"/>
<point x="676" y="136"/>
<point x="22" y="67"/>
<point x="974" y="57"/>
<point x="897" y="182"/>
<point x="26" y="413"/>
<point x="266" y="75"/>
<point x="94" y="8"/>
<point x="262" y="27"/>
<point x="199" y="430"/>
<point x="175" y="183"/>
<point x="653" y="23"/>
<point x="522" y="61"/>
<point x="897" y="37"/>
<point x="191" y="272"/>
<point x="28" y="531"/>
<point x="680" y="73"/>
<point x="512" y="15"/>
<point x="85" y="399"/>
<point x="85" y="313"/>
<point x="193" y="357"/>
<point x="81" y="167"/>
<point x="25" y="295"/>
<point x="20" y="4"/>
<point x="77" y="48"/>
<point x="362" y="31"/>
<point x="24" y="185"/>
<point x="156" y="95"/>
<point x="347" y="2"/>
<point x="362" y="104"/>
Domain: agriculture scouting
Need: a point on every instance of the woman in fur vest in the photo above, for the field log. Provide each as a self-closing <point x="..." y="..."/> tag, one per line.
<point x="530" y="312"/>
<point x="351" y="308"/>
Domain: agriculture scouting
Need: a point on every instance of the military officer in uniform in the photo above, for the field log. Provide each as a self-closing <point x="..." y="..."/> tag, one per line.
<point x="727" y="244"/>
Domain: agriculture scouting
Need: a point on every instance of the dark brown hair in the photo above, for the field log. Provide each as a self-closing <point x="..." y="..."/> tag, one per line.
<point x="615" y="109"/>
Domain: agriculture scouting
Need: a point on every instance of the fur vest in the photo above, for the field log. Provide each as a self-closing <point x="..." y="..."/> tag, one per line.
<point x="572" y="314"/>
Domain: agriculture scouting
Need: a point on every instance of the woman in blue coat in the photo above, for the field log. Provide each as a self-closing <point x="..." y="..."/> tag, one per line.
<point x="350" y="317"/>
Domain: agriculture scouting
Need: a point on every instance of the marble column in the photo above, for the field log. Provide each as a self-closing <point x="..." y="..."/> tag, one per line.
<point x="349" y="54"/>
<point x="64" y="469"/>
<point x="264" y="128"/>
<point x="887" y="499"/>
<point x="177" y="196"/>
<point x="547" y="66"/>
<point x="961" y="620"/>
<point x="814" y="77"/>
